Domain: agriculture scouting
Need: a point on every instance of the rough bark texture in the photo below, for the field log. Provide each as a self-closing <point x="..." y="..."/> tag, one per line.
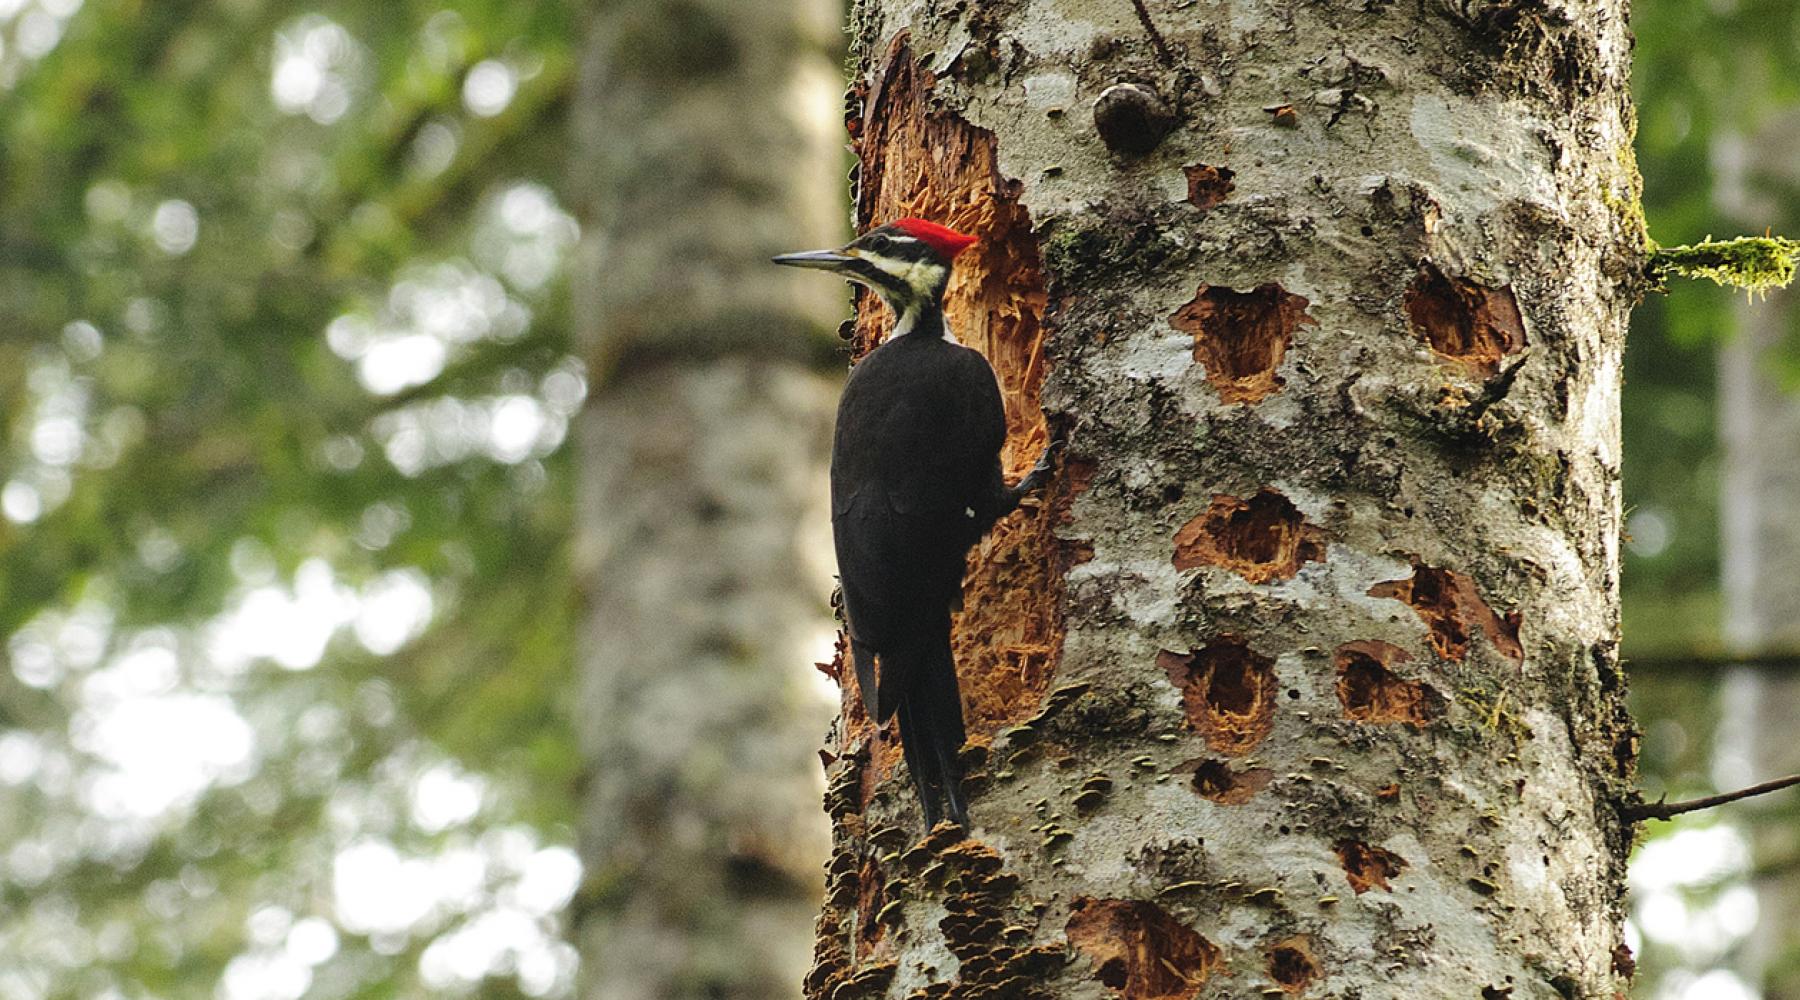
<point x="1760" y="560"/>
<point x="1303" y="678"/>
<point x="708" y="143"/>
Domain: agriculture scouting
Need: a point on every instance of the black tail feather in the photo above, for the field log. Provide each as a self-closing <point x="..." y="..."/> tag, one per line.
<point x="931" y="726"/>
<point x="921" y="765"/>
<point x="864" y="659"/>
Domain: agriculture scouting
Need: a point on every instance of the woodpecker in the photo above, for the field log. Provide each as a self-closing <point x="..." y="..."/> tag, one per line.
<point x="915" y="482"/>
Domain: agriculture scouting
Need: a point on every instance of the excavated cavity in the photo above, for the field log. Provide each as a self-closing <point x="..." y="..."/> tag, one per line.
<point x="1468" y="323"/>
<point x="1371" y="692"/>
<point x="1207" y="185"/>
<point x="1263" y="539"/>
<point x="1452" y="609"/>
<point x="1216" y="781"/>
<point x="1366" y="866"/>
<point x="1227" y="692"/>
<point x="918" y="160"/>
<point x="1292" y="965"/>
<point x="1140" y="950"/>
<point x="1241" y="337"/>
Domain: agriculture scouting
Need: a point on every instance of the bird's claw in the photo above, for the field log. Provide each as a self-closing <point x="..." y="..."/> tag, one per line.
<point x="1040" y="472"/>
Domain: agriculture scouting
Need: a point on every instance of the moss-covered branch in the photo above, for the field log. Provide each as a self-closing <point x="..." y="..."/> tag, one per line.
<point x="1753" y="263"/>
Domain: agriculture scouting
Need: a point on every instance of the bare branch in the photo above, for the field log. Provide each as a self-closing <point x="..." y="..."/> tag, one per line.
<point x="1664" y="809"/>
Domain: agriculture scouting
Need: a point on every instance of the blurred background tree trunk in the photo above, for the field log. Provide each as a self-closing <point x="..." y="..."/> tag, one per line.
<point x="707" y="139"/>
<point x="1306" y="676"/>
<point x="1760" y="553"/>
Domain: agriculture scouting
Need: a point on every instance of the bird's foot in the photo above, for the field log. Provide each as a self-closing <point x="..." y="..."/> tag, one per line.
<point x="1040" y="473"/>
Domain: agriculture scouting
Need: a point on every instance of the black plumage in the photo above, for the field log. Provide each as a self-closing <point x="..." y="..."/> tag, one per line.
<point x="915" y="482"/>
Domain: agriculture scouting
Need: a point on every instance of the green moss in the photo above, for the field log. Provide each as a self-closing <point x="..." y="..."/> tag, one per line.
<point x="1091" y="245"/>
<point x="1753" y="263"/>
<point x="1629" y="207"/>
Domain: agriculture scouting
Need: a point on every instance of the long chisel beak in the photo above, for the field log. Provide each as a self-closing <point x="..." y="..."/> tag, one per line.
<point x="822" y="260"/>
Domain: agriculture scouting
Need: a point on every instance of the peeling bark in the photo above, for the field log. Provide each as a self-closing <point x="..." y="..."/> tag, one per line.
<point x="1303" y="677"/>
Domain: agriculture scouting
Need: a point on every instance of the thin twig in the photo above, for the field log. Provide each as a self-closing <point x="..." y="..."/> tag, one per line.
<point x="1664" y="809"/>
<point x="1156" y="39"/>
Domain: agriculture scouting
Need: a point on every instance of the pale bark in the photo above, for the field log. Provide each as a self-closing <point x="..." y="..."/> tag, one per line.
<point x="707" y="142"/>
<point x="1304" y="680"/>
<point x="1759" y="424"/>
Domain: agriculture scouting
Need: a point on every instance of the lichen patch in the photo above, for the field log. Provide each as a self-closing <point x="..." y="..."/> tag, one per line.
<point x="1469" y="323"/>
<point x="1207" y="185"/>
<point x="1366" y="866"/>
<point x="1262" y="539"/>
<point x="1371" y="692"/>
<point x="1140" y="950"/>
<point x="1453" y="611"/>
<point x="1228" y="693"/>
<point x="1241" y="337"/>
<point x="1292" y="966"/>
<point x="1215" y="781"/>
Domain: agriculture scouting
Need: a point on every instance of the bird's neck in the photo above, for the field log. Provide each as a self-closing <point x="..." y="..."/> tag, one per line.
<point x="922" y="318"/>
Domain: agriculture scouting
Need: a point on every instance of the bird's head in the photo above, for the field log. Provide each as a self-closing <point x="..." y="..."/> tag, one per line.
<point x="906" y="262"/>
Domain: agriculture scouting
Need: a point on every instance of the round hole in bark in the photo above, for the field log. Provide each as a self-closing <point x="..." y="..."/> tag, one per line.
<point x="1215" y="781"/>
<point x="1262" y="539"/>
<point x="1140" y="950"/>
<point x="1370" y="692"/>
<point x="1291" y="965"/>
<point x="1241" y="337"/>
<point x="1464" y="321"/>
<point x="1452" y="609"/>
<point x="1367" y="866"/>
<point x="1228" y="692"/>
<point x="1207" y="185"/>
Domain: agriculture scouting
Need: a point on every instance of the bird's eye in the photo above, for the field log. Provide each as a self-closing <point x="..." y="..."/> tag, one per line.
<point x="879" y="242"/>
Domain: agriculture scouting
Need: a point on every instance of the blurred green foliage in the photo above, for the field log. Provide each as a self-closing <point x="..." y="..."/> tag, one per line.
<point x="1702" y="73"/>
<point x="1707" y="77"/>
<point x="283" y="350"/>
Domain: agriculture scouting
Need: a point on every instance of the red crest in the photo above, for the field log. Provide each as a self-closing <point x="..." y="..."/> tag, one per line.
<point x="943" y="239"/>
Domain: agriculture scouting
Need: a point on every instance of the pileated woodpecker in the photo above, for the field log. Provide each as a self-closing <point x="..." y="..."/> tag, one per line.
<point x="915" y="482"/>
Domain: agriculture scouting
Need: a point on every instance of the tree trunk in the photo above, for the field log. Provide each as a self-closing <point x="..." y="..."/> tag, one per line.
<point x="1303" y="680"/>
<point x="707" y="142"/>
<point x="1760" y="560"/>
